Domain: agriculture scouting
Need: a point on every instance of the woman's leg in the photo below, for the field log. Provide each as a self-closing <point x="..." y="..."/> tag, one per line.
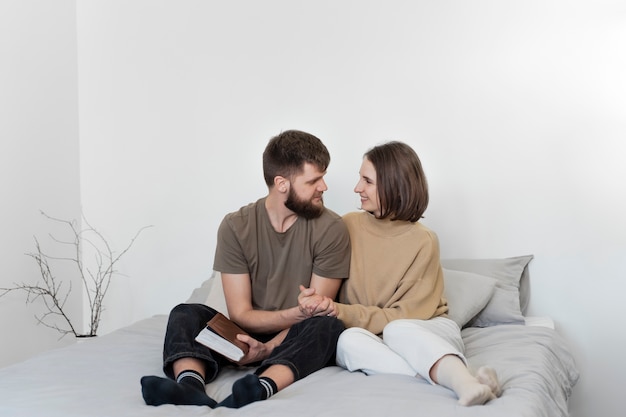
<point x="450" y="371"/>
<point x="434" y="348"/>
<point x="361" y="350"/>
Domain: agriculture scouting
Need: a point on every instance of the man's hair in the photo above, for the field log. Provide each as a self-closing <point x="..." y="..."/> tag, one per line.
<point x="400" y="181"/>
<point x="286" y="154"/>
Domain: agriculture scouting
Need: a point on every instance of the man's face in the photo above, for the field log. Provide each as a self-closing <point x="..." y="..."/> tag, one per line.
<point x="305" y="197"/>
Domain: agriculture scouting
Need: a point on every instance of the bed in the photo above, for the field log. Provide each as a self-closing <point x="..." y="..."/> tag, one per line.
<point x="487" y="297"/>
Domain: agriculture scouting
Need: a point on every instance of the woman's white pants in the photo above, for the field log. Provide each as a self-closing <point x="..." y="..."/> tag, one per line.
<point x="408" y="347"/>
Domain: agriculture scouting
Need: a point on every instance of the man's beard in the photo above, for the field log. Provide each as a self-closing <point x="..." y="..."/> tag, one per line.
<point x="303" y="208"/>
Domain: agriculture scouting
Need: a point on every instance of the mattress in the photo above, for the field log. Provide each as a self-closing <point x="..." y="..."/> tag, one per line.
<point x="100" y="377"/>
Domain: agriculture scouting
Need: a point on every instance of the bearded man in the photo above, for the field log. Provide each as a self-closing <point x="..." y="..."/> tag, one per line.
<point x="265" y="251"/>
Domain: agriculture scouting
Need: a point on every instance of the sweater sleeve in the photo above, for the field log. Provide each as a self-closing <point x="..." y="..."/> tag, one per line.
<point x="418" y="294"/>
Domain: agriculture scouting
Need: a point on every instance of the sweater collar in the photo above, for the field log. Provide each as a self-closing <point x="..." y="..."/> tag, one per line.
<point x="385" y="227"/>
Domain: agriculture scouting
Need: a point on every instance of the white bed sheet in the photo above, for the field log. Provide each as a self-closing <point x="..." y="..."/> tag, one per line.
<point x="100" y="377"/>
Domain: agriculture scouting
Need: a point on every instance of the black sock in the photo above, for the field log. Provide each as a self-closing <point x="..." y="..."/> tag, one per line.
<point x="192" y="379"/>
<point x="249" y="389"/>
<point x="190" y="391"/>
<point x="269" y="385"/>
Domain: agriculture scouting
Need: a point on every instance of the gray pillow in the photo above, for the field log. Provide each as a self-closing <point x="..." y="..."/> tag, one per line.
<point x="467" y="294"/>
<point x="505" y="306"/>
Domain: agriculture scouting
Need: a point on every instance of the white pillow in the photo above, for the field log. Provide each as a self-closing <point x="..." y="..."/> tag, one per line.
<point x="504" y="307"/>
<point x="467" y="294"/>
<point x="210" y="293"/>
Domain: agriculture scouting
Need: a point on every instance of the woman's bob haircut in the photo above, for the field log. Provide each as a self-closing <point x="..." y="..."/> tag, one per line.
<point x="400" y="181"/>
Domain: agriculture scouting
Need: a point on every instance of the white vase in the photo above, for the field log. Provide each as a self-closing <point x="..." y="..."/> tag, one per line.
<point x="84" y="339"/>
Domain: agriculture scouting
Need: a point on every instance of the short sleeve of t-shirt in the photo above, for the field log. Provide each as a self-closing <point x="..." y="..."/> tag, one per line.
<point x="331" y="248"/>
<point x="235" y="228"/>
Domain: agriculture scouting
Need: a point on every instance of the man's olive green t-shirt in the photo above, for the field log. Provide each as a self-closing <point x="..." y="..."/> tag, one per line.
<point x="279" y="262"/>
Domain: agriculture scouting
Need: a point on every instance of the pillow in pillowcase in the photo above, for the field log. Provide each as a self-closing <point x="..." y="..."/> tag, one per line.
<point x="467" y="294"/>
<point x="504" y="307"/>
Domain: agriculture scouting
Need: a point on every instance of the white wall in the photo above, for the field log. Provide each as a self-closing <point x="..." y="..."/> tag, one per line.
<point x="518" y="110"/>
<point x="38" y="160"/>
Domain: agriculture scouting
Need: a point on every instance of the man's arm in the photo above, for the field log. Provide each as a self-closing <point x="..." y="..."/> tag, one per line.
<point x="328" y="287"/>
<point x="238" y="295"/>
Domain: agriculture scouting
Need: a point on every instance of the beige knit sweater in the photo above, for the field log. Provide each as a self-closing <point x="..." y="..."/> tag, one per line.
<point x="395" y="273"/>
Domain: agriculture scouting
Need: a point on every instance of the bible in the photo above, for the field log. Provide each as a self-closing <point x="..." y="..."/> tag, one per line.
<point x="220" y="335"/>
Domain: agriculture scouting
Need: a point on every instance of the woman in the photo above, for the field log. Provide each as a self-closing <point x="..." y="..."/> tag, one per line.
<point x="392" y="303"/>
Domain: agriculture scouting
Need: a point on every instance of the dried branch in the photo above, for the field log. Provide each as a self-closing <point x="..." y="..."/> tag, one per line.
<point x="95" y="282"/>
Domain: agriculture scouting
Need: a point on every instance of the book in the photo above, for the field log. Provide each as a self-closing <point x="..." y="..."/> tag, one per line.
<point x="220" y="335"/>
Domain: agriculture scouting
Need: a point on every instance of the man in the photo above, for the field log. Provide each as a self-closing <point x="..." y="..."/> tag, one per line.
<point x="265" y="252"/>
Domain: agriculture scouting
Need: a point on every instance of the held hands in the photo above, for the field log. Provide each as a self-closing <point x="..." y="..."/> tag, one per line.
<point x="312" y="304"/>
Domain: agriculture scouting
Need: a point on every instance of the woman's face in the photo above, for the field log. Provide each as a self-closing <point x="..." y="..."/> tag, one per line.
<point x="366" y="188"/>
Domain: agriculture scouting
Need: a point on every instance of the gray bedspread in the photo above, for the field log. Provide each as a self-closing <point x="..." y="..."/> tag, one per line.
<point x="100" y="377"/>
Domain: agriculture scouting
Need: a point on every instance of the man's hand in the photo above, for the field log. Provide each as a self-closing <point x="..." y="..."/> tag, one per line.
<point x="312" y="304"/>
<point x="259" y="351"/>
